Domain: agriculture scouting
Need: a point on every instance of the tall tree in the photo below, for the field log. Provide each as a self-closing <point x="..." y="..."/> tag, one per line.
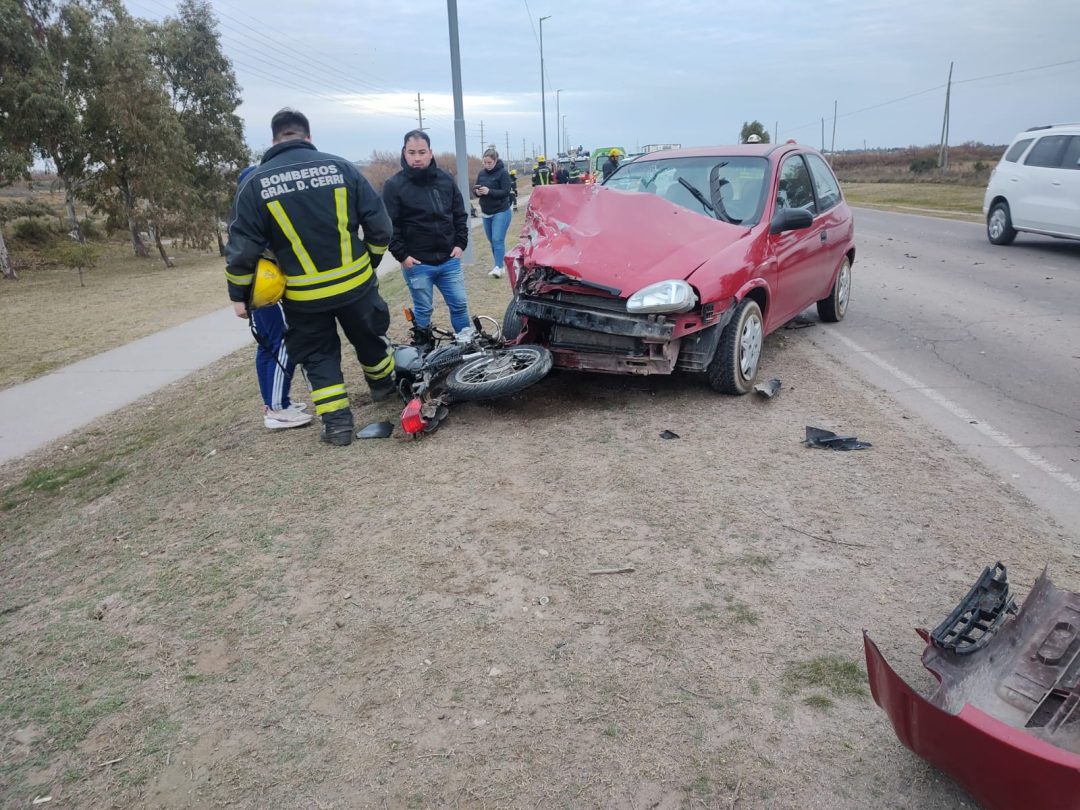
<point x="202" y="86"/>
<point x="753" y="128"/>
<point x="18" y="62"/>
<point x="141" y="160"/>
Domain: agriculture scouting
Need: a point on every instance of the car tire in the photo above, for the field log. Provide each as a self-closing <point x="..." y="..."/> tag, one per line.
<point x="999" y="227"/>
<point x="833" y="308"/>
<point x="735" y="364"/>
<point x="512" y="323"/>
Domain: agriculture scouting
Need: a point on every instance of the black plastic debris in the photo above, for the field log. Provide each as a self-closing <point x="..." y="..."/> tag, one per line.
<point x="818" y="437"/>
<point x="668" y="434"/>
<point x="376" y="430"/>
<point x="799" y="322"/>
<point x="768" y="389"/>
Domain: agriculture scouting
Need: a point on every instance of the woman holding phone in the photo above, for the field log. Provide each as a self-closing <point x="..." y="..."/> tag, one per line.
<point x="492" y="189"/>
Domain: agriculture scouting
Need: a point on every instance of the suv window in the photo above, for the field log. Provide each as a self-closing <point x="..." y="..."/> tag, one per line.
<point x="1017" y="149"/>
<point x="795" y="189"/>
<point x="1071" y="159"/>
<point x="1047" y="151"/>
<point x="828" y="192"/>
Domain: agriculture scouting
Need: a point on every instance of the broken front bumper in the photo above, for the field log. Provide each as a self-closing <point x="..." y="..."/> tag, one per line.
<point x="1002" y="721"/>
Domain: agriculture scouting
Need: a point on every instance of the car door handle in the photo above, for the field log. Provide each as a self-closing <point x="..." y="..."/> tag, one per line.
<point x="824" y="236"/>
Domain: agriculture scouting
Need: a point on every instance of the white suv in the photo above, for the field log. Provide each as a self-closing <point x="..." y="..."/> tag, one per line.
<point x="1036" y="186"/>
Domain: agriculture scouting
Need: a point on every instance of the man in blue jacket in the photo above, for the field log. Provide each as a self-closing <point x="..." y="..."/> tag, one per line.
<point x="431" y="231"/>
<point x="307" y="207"/>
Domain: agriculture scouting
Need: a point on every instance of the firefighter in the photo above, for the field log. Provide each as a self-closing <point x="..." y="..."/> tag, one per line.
<point x="513" y="188"/>
<point x="307" y="207"/>
<point x="542" y="174"/>
<point x="612" y="162"/>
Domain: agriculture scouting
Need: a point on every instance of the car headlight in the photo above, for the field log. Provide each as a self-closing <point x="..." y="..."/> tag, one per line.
<point x="664" y="296"/>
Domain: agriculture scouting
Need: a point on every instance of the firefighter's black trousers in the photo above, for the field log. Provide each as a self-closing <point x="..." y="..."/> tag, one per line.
<point x="312" y="340"/>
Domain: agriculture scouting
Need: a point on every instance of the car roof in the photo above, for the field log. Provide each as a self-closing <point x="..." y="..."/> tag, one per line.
<point x="747" y="149"/>
<point x="1049" y="129"/>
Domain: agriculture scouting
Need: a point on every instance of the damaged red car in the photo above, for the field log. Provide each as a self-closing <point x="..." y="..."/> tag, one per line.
<point x="682" y="261"/>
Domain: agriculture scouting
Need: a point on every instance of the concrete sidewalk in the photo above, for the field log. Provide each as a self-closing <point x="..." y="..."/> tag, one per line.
<point x="48" y="408"/>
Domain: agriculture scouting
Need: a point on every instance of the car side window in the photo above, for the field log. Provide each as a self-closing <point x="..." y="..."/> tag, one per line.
<point x="795" y="189"/>
<point x="828" y="190"/>
<point x="1071" y="159"/>
<point x="1047" y="151"/>
<point x="1017" y="149"/>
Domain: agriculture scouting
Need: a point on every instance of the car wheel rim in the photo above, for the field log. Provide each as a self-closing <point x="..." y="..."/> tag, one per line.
<point x="750" y="346"/>
<point x="997" y="223"/>
<point x="843" y="288"/>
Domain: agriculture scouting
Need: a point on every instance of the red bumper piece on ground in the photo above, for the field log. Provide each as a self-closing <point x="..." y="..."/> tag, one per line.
<point x="990" y="723"/>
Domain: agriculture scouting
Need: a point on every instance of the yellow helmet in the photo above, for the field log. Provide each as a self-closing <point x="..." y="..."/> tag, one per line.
<point x="513" y="172"/>
<point x="541" y="159"/>
<point x="616" y="152"/>
<point x="268" y="286"/>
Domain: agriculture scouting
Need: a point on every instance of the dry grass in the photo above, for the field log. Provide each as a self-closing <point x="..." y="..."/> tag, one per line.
<point x="936" y="199"/>
<point x="50" y="321"/>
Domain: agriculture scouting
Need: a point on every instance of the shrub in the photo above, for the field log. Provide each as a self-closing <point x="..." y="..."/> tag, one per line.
<point x="90" y="229"/>
<point x="23" y="208"/>
<point x="922" y="165"/>
<point x="35" y="231"/>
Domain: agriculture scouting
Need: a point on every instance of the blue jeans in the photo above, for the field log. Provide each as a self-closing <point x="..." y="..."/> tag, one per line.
<point x="448" y="277"/>
<point x="495" y="228"/>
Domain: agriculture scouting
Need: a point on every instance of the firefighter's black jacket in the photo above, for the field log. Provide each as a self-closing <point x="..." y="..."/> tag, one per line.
<point x="428" y="214"/>
<point x="307" y="206"/>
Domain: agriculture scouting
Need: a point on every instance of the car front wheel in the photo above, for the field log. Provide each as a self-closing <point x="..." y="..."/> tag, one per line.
<point x="735" y="364"/>
<point x="833" y="308"/>
<point x="999" y="229"/>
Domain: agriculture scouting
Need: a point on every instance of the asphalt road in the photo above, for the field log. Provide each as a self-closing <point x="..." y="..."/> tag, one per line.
<point x="983" y="341"/>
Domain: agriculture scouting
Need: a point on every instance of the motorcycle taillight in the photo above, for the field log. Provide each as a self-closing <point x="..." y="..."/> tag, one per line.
<point x="412" y="422"/>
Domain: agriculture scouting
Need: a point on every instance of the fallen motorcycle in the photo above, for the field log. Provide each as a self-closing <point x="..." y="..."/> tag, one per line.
<point x="472" y="365"/>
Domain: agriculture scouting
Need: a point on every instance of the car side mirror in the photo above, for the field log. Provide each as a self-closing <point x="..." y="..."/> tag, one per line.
<point x="790" y="219"/>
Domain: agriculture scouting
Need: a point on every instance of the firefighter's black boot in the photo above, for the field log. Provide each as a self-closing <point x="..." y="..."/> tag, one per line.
<point x="382" y="389"/>
<point x="337" y="427"/>
<point x="422" y="339"/>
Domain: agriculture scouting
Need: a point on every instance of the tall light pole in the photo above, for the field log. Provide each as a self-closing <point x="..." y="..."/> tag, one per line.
<point x="459" y="113"/>
<point x="543" y="96"/>
<point x="558" y="123"/>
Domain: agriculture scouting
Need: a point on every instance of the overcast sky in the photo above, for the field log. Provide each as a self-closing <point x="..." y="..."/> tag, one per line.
<point x="653" y="71"/>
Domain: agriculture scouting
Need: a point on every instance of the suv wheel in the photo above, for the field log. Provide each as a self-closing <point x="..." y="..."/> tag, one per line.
<point x="999" y="229"/>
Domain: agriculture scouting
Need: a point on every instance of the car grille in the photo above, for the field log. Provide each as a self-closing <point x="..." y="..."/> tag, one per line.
<point x="567" y="337"/>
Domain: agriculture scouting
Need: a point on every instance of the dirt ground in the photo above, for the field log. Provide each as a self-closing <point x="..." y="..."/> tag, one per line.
<point x="197" y="612"/>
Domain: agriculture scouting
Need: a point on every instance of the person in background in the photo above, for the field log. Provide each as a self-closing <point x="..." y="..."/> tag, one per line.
<point x="492" y="188"/>
<point x="513" y="188"/>
<point x="273" y="366"/>
<point x="542" y="173"/>
<point x="308" y="207"/>
<point x="612" y="162"/>
<point x="562" y="176"/>
<point x="431" y="231"/>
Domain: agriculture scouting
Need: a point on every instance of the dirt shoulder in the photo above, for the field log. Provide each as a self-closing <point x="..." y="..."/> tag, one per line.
<point x="199" y="612"/>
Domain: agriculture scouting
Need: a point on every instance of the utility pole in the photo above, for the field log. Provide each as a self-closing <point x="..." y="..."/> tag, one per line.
<point x="832" y="147"/>
<point x="524" y="154"/>
<point x="482" y="147"/>
<point x="943" y="152"/>
<point x="508" y="147"/>
<point x="543" y="91"/>
<point x="776" y="132"/>
<point x="459" y="114"/>
<point x="822" y="133"/>
<point x="419" y="112"/>
<point x="558" y="124"/>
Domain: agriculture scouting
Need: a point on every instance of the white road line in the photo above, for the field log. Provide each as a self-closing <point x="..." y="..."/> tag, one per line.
<point x="992" y="433"/>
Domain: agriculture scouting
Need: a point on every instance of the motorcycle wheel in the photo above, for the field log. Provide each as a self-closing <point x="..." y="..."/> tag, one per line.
<point x="498" y="374"/>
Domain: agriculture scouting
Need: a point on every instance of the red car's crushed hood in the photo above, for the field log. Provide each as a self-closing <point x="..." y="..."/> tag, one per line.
<point x="625" y="240"/>
<point x="1003" y="721"/>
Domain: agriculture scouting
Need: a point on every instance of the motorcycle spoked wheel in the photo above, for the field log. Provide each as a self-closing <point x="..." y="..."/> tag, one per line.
<point x="499" y="373"/>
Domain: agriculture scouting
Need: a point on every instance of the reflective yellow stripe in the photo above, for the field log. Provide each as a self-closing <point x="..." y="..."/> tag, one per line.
<point x="241" y="280"/>
<point x="330" y="407"/>
<point x="378" y="250"/>
<point x="290" y="233"/>
<point x="325" y="292"/>
<point x="329" y="275"/>
<point x="328" y="391"/>
<point x="383" y="369"/>
<point x="341" y="196"/>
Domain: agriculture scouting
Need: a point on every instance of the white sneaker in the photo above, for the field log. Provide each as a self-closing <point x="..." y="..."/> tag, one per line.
<point x="298" y="406"/>
<point x="465" y="335"/>
<point x="496" y="272"/>
<point x="285" y="418"/>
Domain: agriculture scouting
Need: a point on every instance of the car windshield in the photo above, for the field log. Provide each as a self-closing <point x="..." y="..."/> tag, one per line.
<point x="729" y="188"/>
